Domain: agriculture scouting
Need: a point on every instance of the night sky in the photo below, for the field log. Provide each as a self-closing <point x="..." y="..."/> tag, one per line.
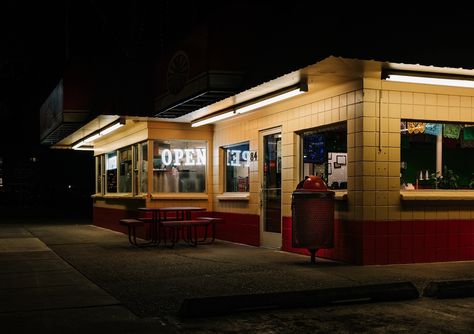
<point x="40" y="38"/>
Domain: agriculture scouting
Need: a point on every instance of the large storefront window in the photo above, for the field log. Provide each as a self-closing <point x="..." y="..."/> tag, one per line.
<point x="325" y="154"/>
<point x="179" y="166"/>
<point x="237" y="168"/>
<point x="111" y="172"/>
<point x="436" y="155"/>
<point x="123" y="170"/>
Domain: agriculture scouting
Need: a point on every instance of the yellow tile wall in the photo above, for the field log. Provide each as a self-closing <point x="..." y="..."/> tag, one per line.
<point x="305" y="112"/>
<point x="420" y="103"/>
<point x="373" y="143"/>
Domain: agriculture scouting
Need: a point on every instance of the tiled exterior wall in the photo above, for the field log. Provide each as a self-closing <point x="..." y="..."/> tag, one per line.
<point x="300" y="113"/>
<point x="374" y="226"/>
<point x="308" y="111"/>
<point x="382" y="162"/>
<point x="394" y="231"/>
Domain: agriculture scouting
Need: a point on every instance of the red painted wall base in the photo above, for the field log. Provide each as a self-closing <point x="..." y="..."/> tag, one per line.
<point x="356" y="242"/>
<point x="240" y="228"/>
<point x="389" y="242"/>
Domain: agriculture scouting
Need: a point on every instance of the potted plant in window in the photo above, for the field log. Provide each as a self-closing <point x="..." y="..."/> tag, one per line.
<point x="449" y="179"/>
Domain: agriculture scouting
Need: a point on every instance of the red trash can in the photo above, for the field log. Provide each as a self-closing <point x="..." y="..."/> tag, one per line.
<point x="312" y="209"/>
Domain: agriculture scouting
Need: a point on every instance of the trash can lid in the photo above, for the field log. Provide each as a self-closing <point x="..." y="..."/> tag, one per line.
<point x="315" y="183"/>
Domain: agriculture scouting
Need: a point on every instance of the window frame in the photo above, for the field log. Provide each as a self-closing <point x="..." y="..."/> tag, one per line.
<point x="424" y="184"/>
<point x="225" y="166"/>
<point x="321" y="130"/>
<point x="165" y="165"/>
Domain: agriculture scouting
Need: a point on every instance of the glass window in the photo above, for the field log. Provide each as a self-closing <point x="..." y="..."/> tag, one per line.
<point x="98" y="174"/>
<point x="135" y="155"/>
<point x="179" y="166"/>
<point x="143" y="169"/>
<point x="436" y="155"/>
<point x="123" y="170"/>
<point x="325" y="154"/>
<point x="237" y="168"/>
<point x="111" y="172"/>
<point x="125" y="179"/>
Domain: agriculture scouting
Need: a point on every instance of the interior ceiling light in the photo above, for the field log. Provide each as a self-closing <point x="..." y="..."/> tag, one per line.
<point x="80" y="145"/>
<point x="430" y="79"/>
<point x="262" y="101"/>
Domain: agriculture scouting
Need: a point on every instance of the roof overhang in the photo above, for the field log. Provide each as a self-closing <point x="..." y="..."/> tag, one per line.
<point x="86" y="131"/>
<point x="324" y="74"/>
<point x="205" y="89"/>
<point x="328" y="72"/>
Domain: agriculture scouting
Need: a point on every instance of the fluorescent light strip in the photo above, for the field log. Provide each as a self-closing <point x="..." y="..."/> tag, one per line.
<point x="266" y="102"/>
<point x="101" y="133"/>
<point x="431" y="80"/>
<point x="111" y="128"/>
<point x="91" y="138"/>
<point x="79" y="144"/>
<point x="85" y="148"/>
<point x="213" y="119"/>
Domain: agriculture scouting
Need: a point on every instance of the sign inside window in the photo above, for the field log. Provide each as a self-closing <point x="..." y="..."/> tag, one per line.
<point x="238" y="158"/>
<point x="237" y="168"/>
<point x="179" y="166"/>
<point x="185" y="157"/>
<point x="111" y="162"/>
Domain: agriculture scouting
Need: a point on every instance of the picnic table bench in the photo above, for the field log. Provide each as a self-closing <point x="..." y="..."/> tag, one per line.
<point x="175" y="220"/>
<point x="189" y="230"/>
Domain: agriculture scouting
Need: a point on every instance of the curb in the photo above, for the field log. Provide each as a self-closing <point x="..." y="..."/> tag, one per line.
<point x="449" y="289"/>
<point x="219" y="305"/>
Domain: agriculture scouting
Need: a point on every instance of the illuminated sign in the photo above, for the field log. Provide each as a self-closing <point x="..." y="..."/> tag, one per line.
<point x="185" y="157"/>
<point x="111" y="162"/>
<point x="238" y="158"/>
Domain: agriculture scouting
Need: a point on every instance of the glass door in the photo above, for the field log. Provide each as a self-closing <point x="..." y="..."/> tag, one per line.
<point x="271" y="188"/>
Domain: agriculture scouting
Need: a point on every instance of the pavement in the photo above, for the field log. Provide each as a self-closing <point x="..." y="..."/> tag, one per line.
<point x="70" y="276"/>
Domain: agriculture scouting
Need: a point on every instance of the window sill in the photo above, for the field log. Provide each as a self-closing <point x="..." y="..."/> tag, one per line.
<point x="123" y="196"/>
<point x="234" y="196"/>
<point x="340" y="195"/>
<point x="180" y="196"/>
<point x="437" y="195"/>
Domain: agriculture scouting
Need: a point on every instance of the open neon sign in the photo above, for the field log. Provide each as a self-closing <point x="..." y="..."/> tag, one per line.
<point x="186" y="157"/>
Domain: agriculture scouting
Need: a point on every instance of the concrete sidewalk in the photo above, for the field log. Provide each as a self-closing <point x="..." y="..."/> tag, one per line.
<point x="78" y="277"/>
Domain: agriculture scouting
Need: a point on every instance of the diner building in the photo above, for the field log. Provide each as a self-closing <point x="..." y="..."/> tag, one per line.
<point x="395" y="142"/>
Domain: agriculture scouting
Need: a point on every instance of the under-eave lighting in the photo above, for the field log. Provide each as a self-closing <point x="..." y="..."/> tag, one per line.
<point x="285" y="94"/>
<point x="111" y="128"/>
<point x="92" y="138"/>
<point x="83" y="147"/>
<point x="431" y="80"/>
<point x="212" y="119"/>
<point x="80" y="145"/>
<point x="279" y="95"/>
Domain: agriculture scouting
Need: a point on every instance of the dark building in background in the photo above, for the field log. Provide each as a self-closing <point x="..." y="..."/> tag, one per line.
<point x="103" y="54"/>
